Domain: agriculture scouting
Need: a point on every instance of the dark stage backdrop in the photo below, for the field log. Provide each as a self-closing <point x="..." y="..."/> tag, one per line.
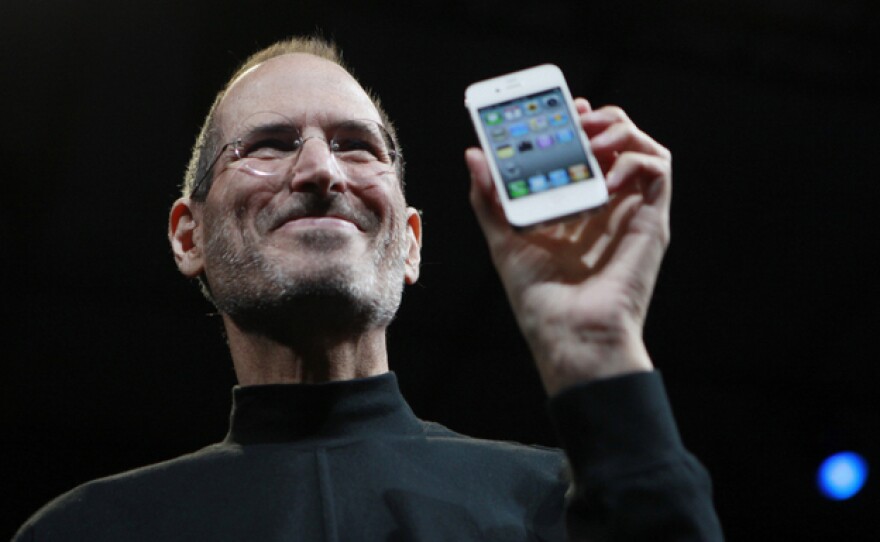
<point x="765" y="312"/>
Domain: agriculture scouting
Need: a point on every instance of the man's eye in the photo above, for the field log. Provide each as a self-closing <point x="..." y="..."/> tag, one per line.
<point x="270" y="148"/>
<point x="358" y="148"/>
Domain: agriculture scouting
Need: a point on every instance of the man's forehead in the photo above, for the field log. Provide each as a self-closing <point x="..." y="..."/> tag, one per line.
<point x="300" y="86"/>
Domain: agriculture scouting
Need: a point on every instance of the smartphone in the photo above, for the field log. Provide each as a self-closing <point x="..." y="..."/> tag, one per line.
<point x="539" y="155"/>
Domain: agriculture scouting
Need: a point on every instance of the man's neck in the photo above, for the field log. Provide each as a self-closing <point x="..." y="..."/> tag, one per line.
<point x="261" y="359"/>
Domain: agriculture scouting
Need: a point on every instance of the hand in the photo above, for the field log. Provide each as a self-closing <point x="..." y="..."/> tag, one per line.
<point x="580" y="289"/>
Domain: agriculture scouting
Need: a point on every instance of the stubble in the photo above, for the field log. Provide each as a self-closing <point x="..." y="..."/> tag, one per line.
<point x="269" y="293"/>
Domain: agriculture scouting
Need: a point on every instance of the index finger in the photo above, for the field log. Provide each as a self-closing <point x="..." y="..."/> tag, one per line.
<point x="582" y="106"/>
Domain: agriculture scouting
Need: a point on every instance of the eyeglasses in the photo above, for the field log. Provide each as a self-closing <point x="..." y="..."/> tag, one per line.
<point x="271" y="144"/>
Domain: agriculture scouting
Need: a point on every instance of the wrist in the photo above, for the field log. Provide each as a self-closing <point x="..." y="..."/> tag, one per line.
<point x="586" y="357"/>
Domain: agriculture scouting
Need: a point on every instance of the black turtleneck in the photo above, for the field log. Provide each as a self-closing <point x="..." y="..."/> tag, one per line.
<point x="350" y="461"/>
<point x="330" y="412"/>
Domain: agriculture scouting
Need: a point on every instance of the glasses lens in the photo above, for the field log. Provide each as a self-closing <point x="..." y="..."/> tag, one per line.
<point x="270" y="144"/>
<point x="267" y="143"/>
<point x="362" y="142"/>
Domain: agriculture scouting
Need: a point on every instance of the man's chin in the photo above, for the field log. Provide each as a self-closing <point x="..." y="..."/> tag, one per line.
<point x="320" y="303"/>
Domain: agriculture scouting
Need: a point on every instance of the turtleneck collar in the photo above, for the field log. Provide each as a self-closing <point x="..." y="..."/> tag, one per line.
<point x="344" y="410"/>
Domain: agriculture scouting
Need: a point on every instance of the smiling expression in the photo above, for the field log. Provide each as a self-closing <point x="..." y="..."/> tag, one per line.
<point x="313" y="237"/>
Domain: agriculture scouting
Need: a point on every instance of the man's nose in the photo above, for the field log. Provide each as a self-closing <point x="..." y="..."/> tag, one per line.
<point x="315" y="168"/>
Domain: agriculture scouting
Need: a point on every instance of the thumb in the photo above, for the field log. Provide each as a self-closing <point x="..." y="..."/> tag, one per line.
<point x="484" y="198"/>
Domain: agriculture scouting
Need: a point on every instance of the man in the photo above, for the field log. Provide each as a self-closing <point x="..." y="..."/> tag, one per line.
<point x="293" y="218"/>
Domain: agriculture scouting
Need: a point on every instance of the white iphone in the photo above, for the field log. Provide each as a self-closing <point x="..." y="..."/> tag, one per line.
<point x="540" y="157"/>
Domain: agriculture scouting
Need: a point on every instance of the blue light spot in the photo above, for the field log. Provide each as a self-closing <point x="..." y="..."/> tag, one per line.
<point x="842" y="475"/>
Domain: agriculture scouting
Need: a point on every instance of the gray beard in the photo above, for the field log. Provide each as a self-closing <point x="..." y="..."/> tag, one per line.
<point x="263" y="297"/>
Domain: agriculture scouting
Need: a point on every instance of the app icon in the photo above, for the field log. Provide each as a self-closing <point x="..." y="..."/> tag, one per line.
<point x="538" y="182"/>
<point x="517" y="188"/>
<point x="525" y="146"/>
<point x="544" y="141"/>
<point x="579" y="172"/>
<point x="552" y="101"/>
<point x="499" y="133"/>
<point x="518" y="129"/>
<point x="512" y="112"/>
<point x="504" y="151"/>
<point x="564" y="135"/>
<point x="511" y="170"/>
<point x="532" y="107"/>
<point x="493" y="117"/>
<point x="558" y="177"/>
<point x="538" y="123"/>
<point x="558" y="119"/>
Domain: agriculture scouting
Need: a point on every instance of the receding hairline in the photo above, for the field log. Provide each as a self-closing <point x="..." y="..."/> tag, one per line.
<point x="301" y="54"/>
<point x="239" y="79"/>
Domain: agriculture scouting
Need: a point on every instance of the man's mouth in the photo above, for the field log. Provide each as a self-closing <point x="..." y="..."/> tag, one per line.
<point x="326" y="221"/>
<point x="309" y="211"/>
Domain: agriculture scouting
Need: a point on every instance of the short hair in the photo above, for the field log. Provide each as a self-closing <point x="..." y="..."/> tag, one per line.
<point x="208" y="141"/>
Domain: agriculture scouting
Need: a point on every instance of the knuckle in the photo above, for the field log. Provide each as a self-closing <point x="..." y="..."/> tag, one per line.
<point x="622" y="134"/>
<point x="617" y="112"/>
<point x="664" y="153"/>
<point x="664" y="234"/>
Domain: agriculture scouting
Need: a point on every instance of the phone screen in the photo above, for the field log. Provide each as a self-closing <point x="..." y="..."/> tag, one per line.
<point x="536" y="143"/>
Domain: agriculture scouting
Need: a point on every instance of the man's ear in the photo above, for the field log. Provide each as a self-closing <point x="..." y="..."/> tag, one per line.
<point x="414" y="247"/>
<point x="185" y="241"/>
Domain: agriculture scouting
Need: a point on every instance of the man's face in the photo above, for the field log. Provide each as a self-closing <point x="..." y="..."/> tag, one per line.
<point x="313" y="238"/>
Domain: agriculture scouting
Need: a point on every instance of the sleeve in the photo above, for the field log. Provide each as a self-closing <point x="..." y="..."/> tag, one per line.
<point x="632" y="479"/>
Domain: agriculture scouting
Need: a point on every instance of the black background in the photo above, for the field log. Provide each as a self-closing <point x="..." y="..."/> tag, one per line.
<point x="764" y="317"/>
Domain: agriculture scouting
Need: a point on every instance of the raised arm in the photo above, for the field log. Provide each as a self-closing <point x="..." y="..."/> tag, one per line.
<point x="580" y="289"/>
<point x="580" y="292"/>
